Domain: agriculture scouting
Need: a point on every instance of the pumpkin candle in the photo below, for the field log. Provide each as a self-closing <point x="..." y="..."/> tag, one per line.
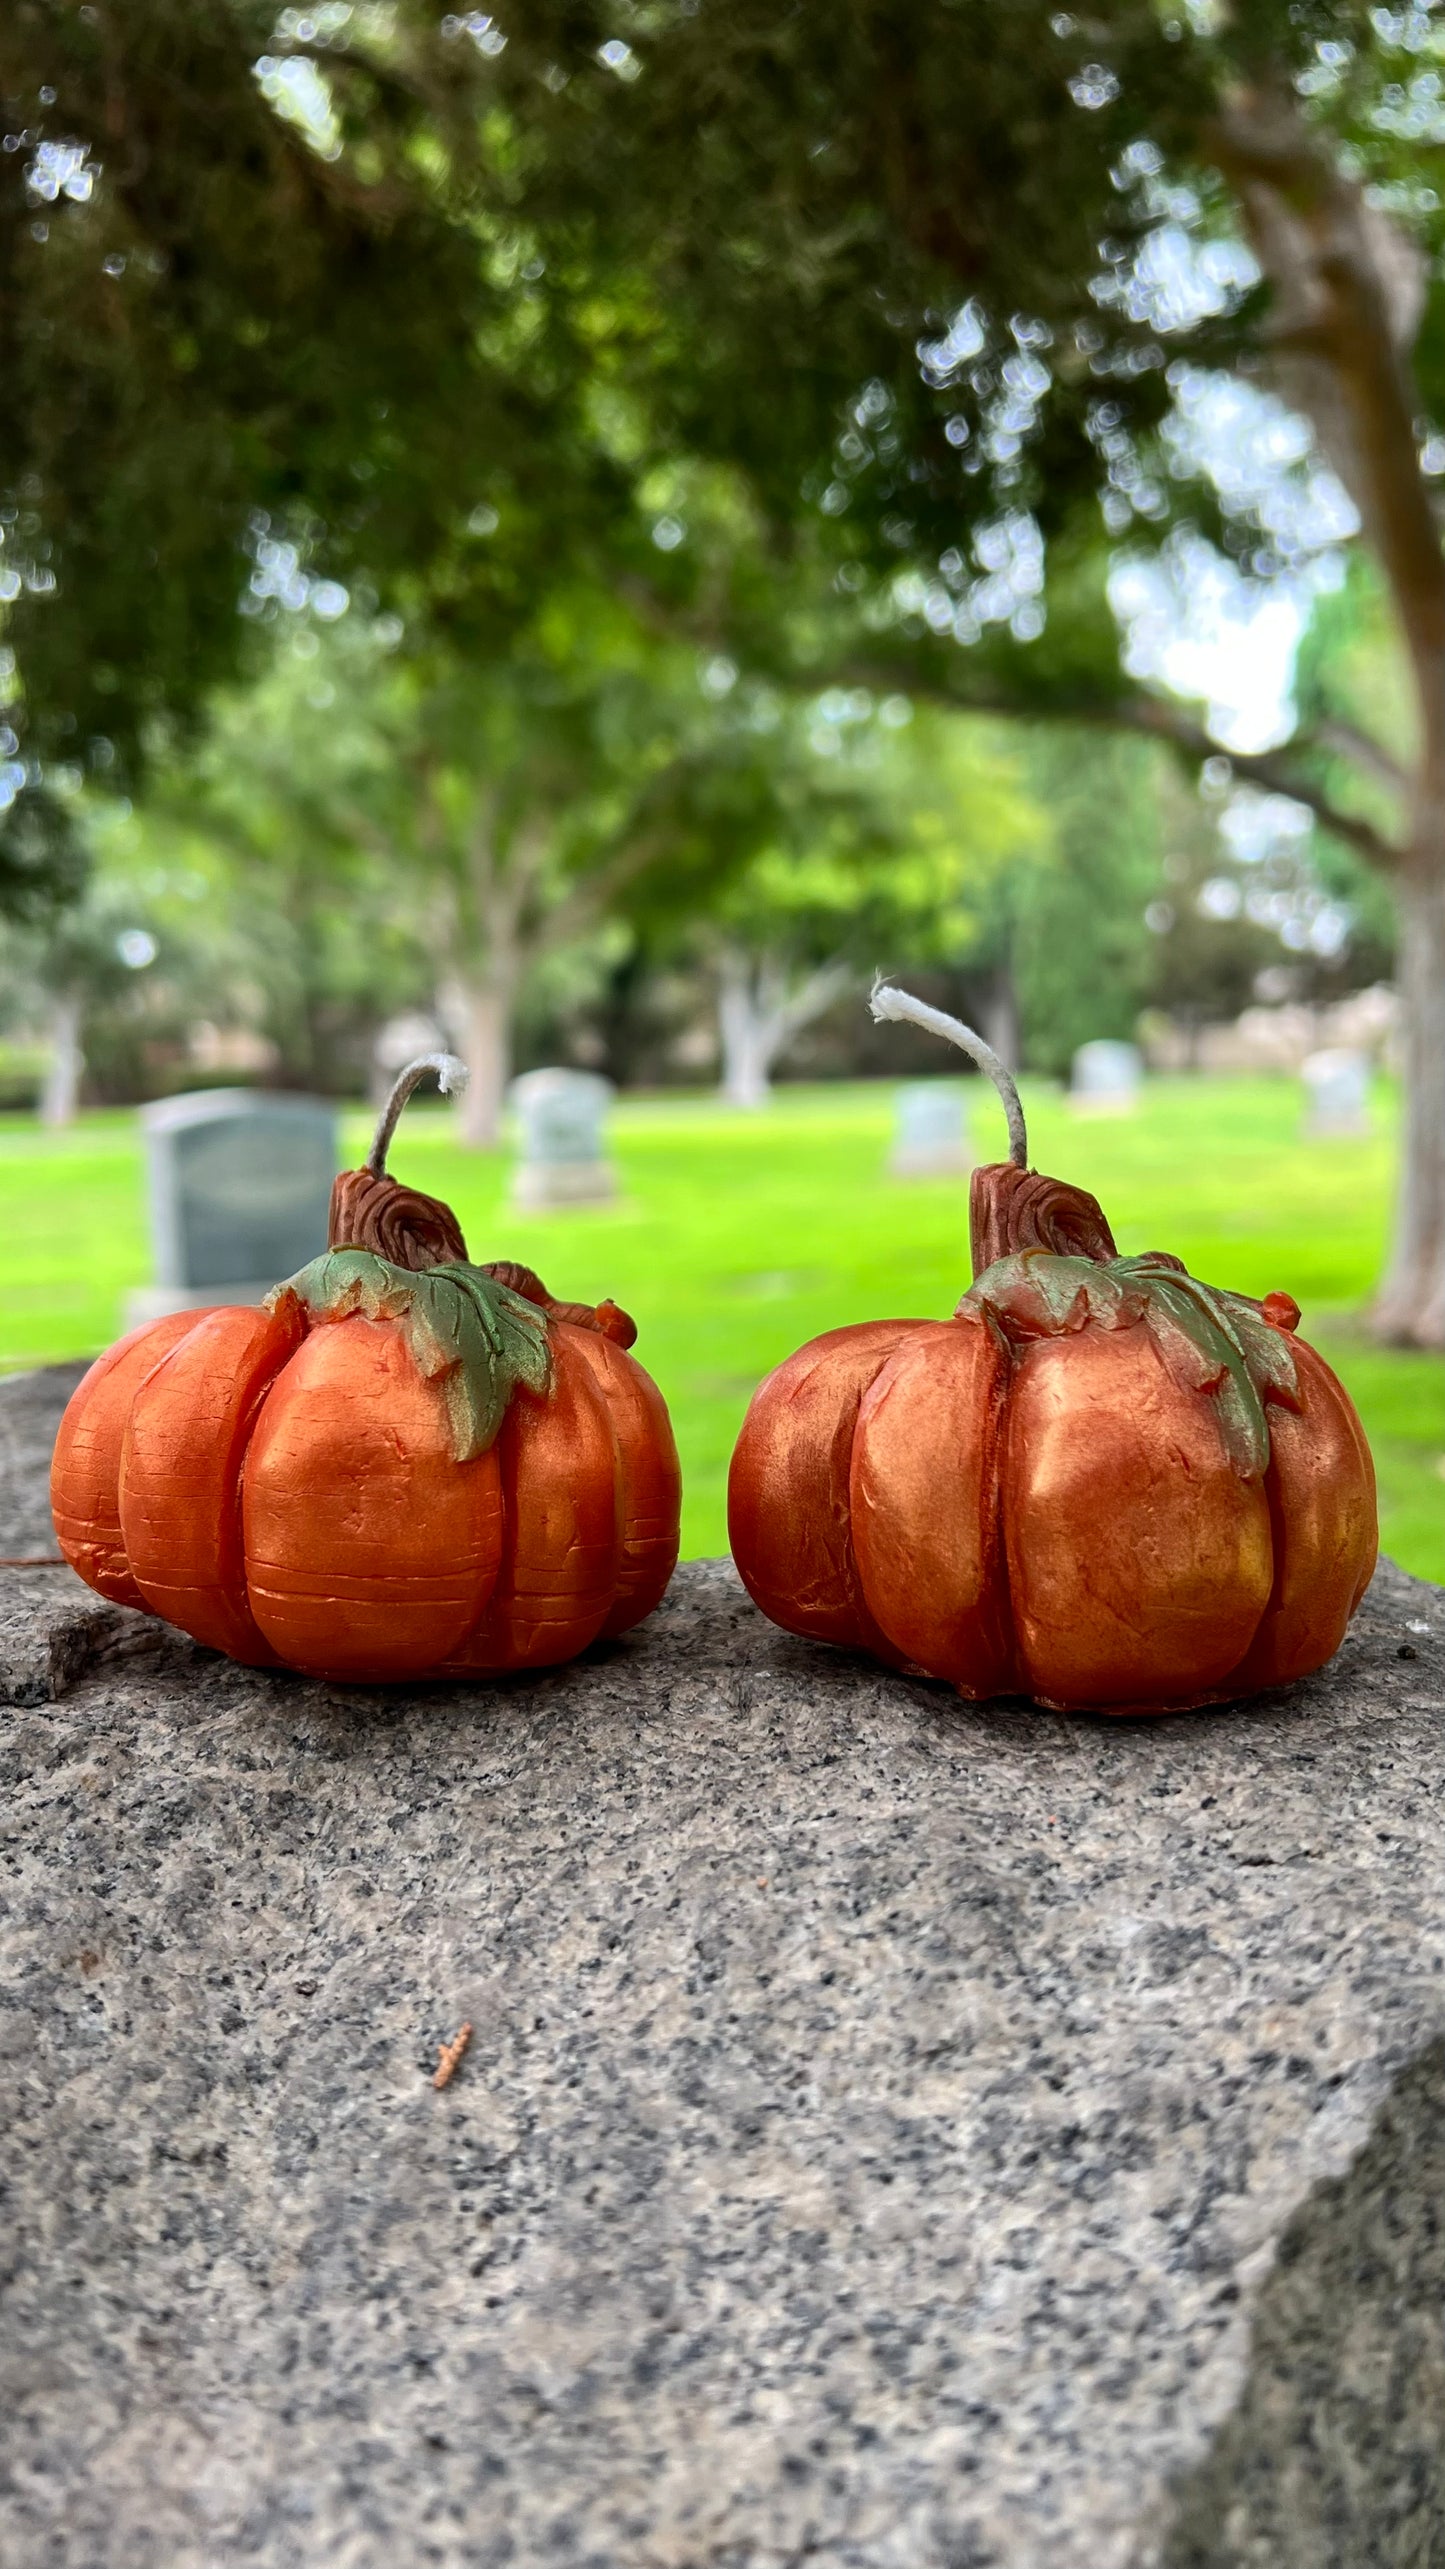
<point x="403" y="1466"/>
<point x="1101" y="1484"/>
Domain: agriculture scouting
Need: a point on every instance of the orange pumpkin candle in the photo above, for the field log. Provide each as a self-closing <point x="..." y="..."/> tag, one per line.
<point x="1101" y="1484"/>
<point x="404" y="1466"/>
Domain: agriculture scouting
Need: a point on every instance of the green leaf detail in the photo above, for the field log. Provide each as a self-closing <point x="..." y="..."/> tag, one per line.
<point x="1210" y="1341"/>
<point x="482" y="1340"/>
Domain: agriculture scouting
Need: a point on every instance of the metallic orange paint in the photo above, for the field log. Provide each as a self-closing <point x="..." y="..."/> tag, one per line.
<point x="932" y="1574"/>
<point x="651" y="1477"/>
<point x="180" y="1475"/>
<point x="1136" y="1554"/>
<point x="286" y="1488"/>
<point x="1058" y="1518"/>
<point x="1321" y="1490"/>
<point x="562" y="1546"/>
<point x="85" y="1475"/>
<point x="370" y="1552"/>
<point x="788" y="1504"/>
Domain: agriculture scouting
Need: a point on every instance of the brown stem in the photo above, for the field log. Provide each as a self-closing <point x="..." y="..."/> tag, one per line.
<point x="369" y="1210"/>
<point x="1011" y="1209"/>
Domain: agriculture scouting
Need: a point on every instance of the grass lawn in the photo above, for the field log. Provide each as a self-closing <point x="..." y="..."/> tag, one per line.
<point x="738" y="1236"/>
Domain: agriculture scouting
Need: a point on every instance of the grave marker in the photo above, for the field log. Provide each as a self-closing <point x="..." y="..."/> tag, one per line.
<point x="931" y="1138"/>
<point x="561" y="1117"/>
<point x="1337" y="1086"/>
<point x="239" y="1183"/>
<point x="1106" y="1078"/>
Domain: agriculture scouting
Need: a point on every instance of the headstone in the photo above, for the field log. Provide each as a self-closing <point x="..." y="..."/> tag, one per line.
<point x="1106" y="1079"/>
<point x="895" y="2131"/>
<point x="239" y="1182"/>
<point x="930" y="1140"/>
<point x="1337" y="1086"/>
<point x="561" y="1117"/>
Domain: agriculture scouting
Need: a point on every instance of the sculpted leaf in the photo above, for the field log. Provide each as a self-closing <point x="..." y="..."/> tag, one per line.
<point x="479" y="1339"/>
<point x="1212" y="1342"/>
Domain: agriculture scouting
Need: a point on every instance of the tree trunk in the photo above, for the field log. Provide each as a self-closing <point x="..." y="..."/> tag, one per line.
<point x="1411" y="1307"/>
<point x="60" y="1096"/>
<point x="1346" y="302"/>
<point x="758" y="1017"/>
<point x="1001" y="1017"/>
<point x="745" y="1033"/>
<point x="487" y="1006"/>
<point x="497" y="886"/>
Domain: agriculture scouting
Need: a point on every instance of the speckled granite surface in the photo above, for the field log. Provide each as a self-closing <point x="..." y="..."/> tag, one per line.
<point x="880" y="2125"/>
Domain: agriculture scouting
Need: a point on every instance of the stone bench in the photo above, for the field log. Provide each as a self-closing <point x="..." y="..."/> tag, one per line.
<point x="895" y="2135"/>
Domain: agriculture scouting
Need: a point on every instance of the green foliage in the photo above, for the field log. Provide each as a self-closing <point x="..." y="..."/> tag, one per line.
<point x="1243" y="891"/>
<point x="104" y="969"/>
<point x="225" y="326"/>
<point x="839" y="829"/>
<point x="1080" y="951"/>
<point x="1352" y="678"/>
<point x="479" y="1339"/>
<point x="42" y="852"/>
<point x="260" y="846"/>
<point x="917" y="230"/>
<point x="451" y="309"/>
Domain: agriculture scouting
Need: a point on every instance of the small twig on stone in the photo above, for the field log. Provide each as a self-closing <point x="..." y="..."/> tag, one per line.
<point x="32" y="1561"/>
<point x="449" y="2057"/>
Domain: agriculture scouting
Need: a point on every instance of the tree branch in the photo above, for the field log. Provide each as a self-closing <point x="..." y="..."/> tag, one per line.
<point x="825" y="983"/>
<point x="1274" y="770"/>
<point x="1156" y="718"/>
<point x="1347" y="293"/>
<point x="583" y="905"/>
<point x="1347" y="740"/>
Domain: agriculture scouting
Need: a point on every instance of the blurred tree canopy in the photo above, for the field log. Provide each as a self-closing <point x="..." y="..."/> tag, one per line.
<point x="856" y="342"/>
<point x="839" y="834"/>
<point x="378" y="295"/>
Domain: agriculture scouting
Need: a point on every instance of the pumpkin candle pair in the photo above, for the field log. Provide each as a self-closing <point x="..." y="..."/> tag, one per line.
<point x="404" y="1466"/>
<point x="1101" y="1484"/>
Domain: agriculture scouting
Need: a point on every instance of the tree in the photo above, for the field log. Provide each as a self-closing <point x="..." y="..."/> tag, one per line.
<point x="973" y="251"/>
<point x="928" y="285"/>
<point x="92" y="959"/>
<point x="536" y="790"/>
<point x="292" y="931"/>
<point x="387" y="824"/>
<point x="839" y="838"/>
<point x="1061" y="950"/>
<point x="257" y="338"/>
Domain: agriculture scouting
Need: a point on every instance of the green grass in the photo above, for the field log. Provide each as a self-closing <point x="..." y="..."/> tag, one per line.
<point x="738" y="1236"/>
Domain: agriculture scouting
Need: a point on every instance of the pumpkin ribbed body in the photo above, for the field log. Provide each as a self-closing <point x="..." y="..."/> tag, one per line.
<point x="1056" y="1515"/>
<point x="287" y="1489"/>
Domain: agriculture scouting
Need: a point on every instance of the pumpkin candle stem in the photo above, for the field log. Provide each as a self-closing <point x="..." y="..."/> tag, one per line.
<point x="369" y="1210"/>
<point x="452" y="1077"/>
<point x="1011" y="1206"/>
<point x="888" y="1003"/>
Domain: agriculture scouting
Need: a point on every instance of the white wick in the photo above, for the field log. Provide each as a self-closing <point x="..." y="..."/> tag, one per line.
<point x="900" y="1007"/>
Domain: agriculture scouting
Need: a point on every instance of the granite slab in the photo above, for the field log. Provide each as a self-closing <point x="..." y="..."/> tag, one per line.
<point x="895" y="2134"/>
